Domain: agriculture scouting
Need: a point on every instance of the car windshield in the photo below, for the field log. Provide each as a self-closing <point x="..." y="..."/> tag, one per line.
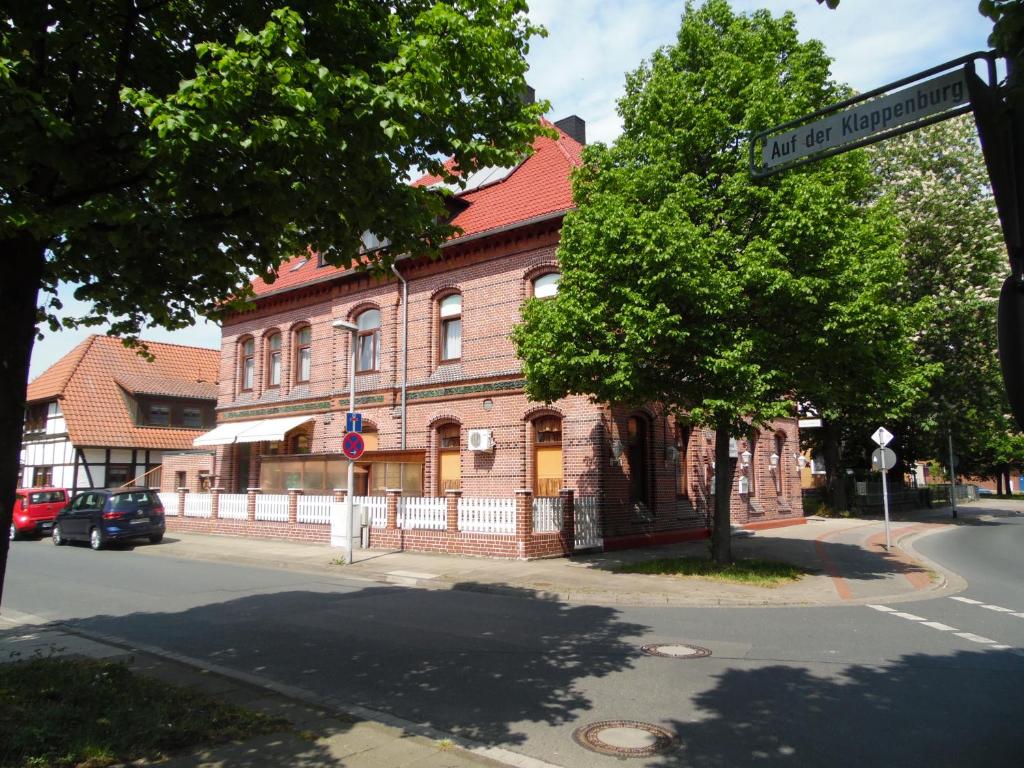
<point x="122" y="502"/>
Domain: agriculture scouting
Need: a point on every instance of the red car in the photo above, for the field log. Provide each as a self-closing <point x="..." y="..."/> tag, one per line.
<point x="35" y="509"/>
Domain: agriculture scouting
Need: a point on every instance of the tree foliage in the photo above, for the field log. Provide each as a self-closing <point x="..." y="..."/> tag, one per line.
<point x="160" y="154"/>
<point x="683" y="281"/>
<point x="937" y="180"/>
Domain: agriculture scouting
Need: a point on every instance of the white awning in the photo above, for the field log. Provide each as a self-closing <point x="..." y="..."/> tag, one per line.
<point x="250" y="431"/>
<point x="225" y="434"/>
<point x="270" y="429"/>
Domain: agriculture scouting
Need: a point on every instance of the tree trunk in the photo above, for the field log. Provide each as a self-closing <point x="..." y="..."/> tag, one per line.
<point x="23" y="258"/>
<point x="999" y="483"/>
<point x="721" y="523"/>
<point x="835" y="483"/>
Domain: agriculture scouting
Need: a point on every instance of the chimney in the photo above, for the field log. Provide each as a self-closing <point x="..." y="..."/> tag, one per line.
<point x="574" y="126"/>
<point x="528" y="95"/>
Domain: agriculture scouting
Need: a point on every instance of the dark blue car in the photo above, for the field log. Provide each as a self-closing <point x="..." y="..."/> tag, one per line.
<point x="102" y="516"/>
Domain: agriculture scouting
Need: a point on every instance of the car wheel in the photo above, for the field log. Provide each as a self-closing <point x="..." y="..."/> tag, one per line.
<point x="96" y="539"/>
<point x="156" y="538"/>
<point x="57" y="537"/>
<point x="14" y="532"/>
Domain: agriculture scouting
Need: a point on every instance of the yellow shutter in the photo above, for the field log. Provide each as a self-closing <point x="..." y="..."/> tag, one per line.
<point x="549" y="471"/>
<point x="451" y="474"/>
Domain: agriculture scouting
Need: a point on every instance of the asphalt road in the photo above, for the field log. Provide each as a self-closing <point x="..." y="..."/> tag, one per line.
<point x="931" y="683"/>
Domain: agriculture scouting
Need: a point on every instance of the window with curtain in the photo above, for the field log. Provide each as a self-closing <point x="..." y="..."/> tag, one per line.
<point x="248" y="363"/>
<point x="274" y="360"/>
<point x="451" y="327"/>
<point x="547" y="456"/>
<point x="368" y="341"/>
<point x="303" y="354"/>
<point x="449" y="455"/>
<point x="546" y="286"/>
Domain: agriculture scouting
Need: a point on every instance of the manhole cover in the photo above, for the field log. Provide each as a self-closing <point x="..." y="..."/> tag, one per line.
<point x="624" y="738"/>
<point x="676" y="651"/>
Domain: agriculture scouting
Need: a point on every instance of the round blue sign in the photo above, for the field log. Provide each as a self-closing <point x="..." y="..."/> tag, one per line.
<point x="352" y="445"/>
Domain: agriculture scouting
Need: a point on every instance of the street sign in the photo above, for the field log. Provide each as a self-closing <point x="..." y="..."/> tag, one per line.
<point x="352" y="445"/>
<point x="353" y="422"/>
<point x="884" y="114"/>
<point x="882" y="459"/>
<point x="882" y="437"/>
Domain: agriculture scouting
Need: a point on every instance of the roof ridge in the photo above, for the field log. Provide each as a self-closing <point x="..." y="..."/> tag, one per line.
<point x="558" y="143"/>
<point x="76" y="355"/>
<point x="159" y="343"/>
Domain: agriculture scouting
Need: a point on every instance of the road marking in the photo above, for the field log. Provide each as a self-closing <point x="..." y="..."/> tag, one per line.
<point x="975" y="638"/>
<point x="1018" y="615"/>
<point x="967" y="600"/>
<point x="884" y="608"/>
<point x="938" y="625"/>
<point x="910" y="616"/>
<point x="1001" y="647"/>
<point x="998" y="608"/>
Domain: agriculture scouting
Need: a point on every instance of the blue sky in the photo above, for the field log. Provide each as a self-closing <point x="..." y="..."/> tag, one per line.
<point x="580" y="68"/>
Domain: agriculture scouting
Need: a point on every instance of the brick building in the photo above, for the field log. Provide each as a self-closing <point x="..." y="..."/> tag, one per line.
<point x="102" y="416"/>
<point x="440" y="387"/>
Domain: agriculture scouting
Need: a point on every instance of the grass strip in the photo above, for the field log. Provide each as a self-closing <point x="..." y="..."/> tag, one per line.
<point x="88" y="713"/>
<point x="760" y="573"/>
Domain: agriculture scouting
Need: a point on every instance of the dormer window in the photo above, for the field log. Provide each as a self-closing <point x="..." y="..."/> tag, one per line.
<point x="371" y="242"/>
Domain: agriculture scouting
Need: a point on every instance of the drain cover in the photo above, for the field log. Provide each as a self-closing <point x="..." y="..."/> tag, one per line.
<point x="624" y="738"/>
<point x="676" y="651"/>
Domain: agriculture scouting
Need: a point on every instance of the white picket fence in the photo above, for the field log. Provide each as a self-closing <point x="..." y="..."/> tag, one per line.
<point x="547" y="514"/>
<point x="169" y="501"/>
<point x="587" y="521"/>
<point x="376" y="507"/>
<point x="232" y="506"/>
<point x="198" y="505"/>
<point x="422" y="512"/>
<point x="487" y="515"/>
<point x="272" y="507"/>
<point x="315" y="509"/>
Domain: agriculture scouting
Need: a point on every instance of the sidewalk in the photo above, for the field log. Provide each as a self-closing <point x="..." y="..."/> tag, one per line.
<point x="845" y="559"/>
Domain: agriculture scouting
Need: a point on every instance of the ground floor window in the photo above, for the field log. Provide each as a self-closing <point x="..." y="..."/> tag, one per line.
<point x="321" y="474"/>
<point x="119" y="474"/>
<point x="547" y="456"/>
<point x="42" y="477"/>
<point x="449" y="457"/>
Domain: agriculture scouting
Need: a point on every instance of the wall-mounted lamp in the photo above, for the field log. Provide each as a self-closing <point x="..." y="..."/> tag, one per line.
<point x="617" y="449"/>
<point x="773" y="461"/>
<point x="745" y="459"/>
<point x="744" y="484"/>
<point x="801" y="461"/>
<point x="671" y="455"/>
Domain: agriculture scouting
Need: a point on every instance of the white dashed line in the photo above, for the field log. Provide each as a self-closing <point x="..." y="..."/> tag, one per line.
<point x="910" y="616"/>
<point x="939" y="626"/>
<point x="967" y="600"/>
<point x="998" y="608"/>
<point x="975" y="638"/>
<point x="884" y="608"/>
<point x="1018" y="615"/>
<point x="1001" y="647"/>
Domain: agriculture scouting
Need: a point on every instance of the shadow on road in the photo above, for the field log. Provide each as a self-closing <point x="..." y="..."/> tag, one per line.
<point x="921" y="710"/>
<point x="466" y="663"/>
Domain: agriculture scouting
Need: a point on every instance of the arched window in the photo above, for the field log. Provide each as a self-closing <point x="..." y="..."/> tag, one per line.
<point x="449" y="457"/>
<point x="274" y="360"/>
<point x="368" y="341"/>
<point x="547" y="456"/>
<point x="303" y="354"/>
<point x="451" y="327"/>
<point x="247" y="363"/>
<point x="546" y="286"/>
<point x="636" y="447"/>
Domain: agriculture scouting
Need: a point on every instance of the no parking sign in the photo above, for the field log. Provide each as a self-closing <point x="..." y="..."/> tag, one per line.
<point x="352" y="445"/>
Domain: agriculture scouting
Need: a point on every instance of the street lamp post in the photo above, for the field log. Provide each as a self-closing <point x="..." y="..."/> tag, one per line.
<point x="353" y="329"/>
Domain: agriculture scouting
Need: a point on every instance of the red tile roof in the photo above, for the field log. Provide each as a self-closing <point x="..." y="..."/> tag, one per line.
<point x="539" y="186"/>
<point x="95" y="407"/>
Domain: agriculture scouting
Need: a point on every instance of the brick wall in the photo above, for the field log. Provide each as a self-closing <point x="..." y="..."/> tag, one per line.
<point x="191" y="463"/>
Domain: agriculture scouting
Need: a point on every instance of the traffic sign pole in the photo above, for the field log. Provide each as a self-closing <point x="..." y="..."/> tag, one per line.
<point x="885" y="503"/>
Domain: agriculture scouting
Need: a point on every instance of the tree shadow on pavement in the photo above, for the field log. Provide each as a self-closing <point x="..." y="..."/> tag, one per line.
<point x="462" y="662"/>
<point x="921" y="710"/>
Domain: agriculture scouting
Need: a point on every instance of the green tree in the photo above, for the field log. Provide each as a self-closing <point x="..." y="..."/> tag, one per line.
<point x="162" y="153"/>
<point x="937" y="181"/>
<point x="683" y="282"/>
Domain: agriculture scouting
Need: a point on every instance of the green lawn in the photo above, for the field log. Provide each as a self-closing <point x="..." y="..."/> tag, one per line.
<point x="78" y="712"/>
<point x="761" y="573"/>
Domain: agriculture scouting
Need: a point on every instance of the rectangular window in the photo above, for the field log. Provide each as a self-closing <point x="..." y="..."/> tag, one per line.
<point x="42" y="477"/>
<point x="35" y="418"/>
<point x="159" y="416"/>
<point x="119" y="474"/>
<point x="180" y="480"/>
<point x="451" y="348"/>
<point x="191" y="417"/>
<point x="275" y="370"/>
<point x="305" y="363"/>
<point x="365" y="352"/>
<point x="248" y="368"/>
